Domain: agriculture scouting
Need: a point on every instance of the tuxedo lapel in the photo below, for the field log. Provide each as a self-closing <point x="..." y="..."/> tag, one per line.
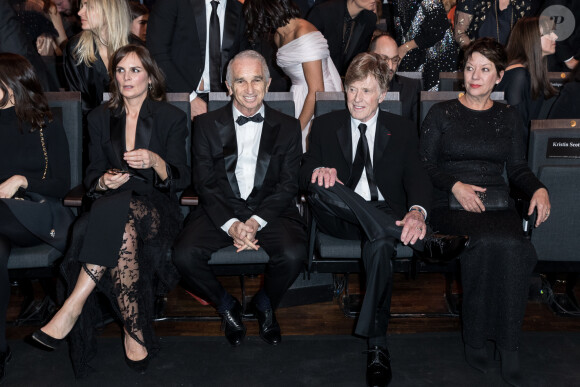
<point x="198" y="7"/>
<point x="267" y="140"/>
<point x="227" y="132"/>
<point x="144" y="126"/>
<point x="382" y="136"/>
<point x="345" y="139"/>
<point x="117" y="135"/>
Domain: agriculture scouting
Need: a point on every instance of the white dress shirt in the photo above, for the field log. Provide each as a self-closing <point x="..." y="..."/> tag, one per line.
<point x="221" y="11"/>
<point x="248" y="141"/>
<point x="362" y="187"/>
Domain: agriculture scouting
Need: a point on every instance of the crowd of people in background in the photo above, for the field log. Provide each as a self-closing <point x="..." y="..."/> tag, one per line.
<point x="136" y="161"/>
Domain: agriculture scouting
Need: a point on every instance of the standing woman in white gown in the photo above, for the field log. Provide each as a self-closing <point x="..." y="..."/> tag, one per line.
<point x="302" y="53"/>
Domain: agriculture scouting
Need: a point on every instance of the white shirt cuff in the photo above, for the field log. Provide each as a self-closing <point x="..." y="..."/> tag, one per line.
<point x="227" y="225"/>
<point x="260" y="221"/>
<point x="569" y="59"/>
<point x="192" y="96"/>
<point x="423" y="211"/>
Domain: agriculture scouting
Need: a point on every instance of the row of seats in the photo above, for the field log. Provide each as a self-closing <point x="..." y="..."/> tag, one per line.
<point x="556" y="164"/>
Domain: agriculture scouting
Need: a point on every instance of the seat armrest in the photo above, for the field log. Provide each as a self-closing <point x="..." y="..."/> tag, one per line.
<point x="189" y="197"/>
<point x="74" y="197"/>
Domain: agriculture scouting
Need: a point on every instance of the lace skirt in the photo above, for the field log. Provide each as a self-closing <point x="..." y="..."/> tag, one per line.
<point x="143" y="271"/>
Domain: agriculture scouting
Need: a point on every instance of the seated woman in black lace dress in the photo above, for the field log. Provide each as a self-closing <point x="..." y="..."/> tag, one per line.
<point x="34" y="166"/>
<point x="465" y="144"/>
<point x="137" y="163"/>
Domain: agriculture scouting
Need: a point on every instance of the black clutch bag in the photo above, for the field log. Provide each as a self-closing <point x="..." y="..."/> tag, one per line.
<point x="493" y="200"/>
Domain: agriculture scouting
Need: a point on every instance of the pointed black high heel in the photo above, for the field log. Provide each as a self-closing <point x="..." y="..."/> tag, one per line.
<point x="47" y="340"/>
<point x="139" y="366"/>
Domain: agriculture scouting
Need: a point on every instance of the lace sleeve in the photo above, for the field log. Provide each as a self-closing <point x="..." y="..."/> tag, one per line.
<point x="462" y="22"/>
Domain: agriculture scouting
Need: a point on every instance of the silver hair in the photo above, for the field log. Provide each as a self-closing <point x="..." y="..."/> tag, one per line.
<point x="248" y="54"/>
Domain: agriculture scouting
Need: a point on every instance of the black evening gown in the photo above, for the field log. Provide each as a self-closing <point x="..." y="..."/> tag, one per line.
<point x="132" y="270"/>
<point x="460" y="144"/>
<point x="425" y="21"/>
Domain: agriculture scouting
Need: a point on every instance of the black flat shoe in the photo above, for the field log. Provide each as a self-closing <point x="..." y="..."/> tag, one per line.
<point x="233" y="326"/>
<point x="269" y="328"/>
<point x="440" y="248"/>
<point x="379" y="373"/>
<point x="47" y="341"/>
<point x="4" y="359"/>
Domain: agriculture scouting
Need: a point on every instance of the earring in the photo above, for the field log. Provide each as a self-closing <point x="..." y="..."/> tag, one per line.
<point x="150" y="87"/>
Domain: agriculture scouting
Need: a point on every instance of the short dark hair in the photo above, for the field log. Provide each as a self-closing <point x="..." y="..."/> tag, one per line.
<point x="30" y="103"/>
<point x="156" y="91"/>
<point x="264" y="16"/>
<point x="365" y="64"/>
<point x="489" y="48"/>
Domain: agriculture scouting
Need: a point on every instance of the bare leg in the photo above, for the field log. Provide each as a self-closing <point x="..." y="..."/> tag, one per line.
<point x="64" y="320"/>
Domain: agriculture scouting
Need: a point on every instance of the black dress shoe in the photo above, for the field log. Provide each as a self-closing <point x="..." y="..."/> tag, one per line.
<point x="47" y="341"/>
<point x="510" y="367"/>
<point x="233" y="326"/>
<point x="4" y="359"/>
<point x="440" y="248"/>
<point x="269" y="328"/>
<point x="379" y="372"/>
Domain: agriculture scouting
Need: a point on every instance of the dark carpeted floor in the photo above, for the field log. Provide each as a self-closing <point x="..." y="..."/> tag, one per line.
<point x="423" y="359"/>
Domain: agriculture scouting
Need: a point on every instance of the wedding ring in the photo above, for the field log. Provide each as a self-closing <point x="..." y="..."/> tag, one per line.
<point x="143" y="165"/>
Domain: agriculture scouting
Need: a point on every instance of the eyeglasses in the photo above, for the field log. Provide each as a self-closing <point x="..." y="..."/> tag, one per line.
<point x="394" y="60"/>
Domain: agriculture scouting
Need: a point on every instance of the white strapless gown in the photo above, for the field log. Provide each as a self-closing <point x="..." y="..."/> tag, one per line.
<point x="307" y="48"/>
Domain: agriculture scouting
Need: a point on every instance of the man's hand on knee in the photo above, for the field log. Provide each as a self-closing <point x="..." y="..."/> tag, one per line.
<point x="414" y="227"/>
<point x="325" y="176"/>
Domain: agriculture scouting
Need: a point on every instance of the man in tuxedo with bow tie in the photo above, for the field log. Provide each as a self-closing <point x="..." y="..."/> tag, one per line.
<point x="246" y="158"/>
<point x="365" y="181"/>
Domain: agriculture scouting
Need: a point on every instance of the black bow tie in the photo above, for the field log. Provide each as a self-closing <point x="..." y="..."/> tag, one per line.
<point x="242" y="120"/>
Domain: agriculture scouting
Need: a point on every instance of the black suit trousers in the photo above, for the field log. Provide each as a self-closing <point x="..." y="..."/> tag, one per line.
<point x="284" y="240"/>
<point x="342" y="213"/>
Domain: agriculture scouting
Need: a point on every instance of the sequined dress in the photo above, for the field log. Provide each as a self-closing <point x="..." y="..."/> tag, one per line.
<point x="307" y="48"/>
<point x="460" y="144"/>
<point x="426" y="23"/>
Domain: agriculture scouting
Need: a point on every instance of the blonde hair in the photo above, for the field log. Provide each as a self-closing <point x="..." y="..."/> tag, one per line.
<point x="117" y="24"/>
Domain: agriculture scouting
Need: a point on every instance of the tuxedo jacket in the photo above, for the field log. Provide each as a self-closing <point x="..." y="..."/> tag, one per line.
<point x="177" y="38"/>
<point x="161" y="128"/>
<point x="215" y="155"/>
<point x="409" y="90"/>
<point x="399" y="173"/>
<point x="328" y="18"/>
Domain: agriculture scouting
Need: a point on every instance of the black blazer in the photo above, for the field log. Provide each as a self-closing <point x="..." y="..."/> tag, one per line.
<point x="409" y="90"/>
<point x="328" y="18"/>
<point x="161" y="128"/>
<point x="398" y="170"/>
<point x="215" y="156"/>
<point x="176" y="37"/>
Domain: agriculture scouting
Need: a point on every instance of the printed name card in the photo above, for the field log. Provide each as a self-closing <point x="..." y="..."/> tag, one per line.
<point x="563" y="148"/>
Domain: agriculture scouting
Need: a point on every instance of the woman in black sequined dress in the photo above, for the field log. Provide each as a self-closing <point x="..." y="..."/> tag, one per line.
<point x="425" y="39"/>
<point x="465" y="144"/>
